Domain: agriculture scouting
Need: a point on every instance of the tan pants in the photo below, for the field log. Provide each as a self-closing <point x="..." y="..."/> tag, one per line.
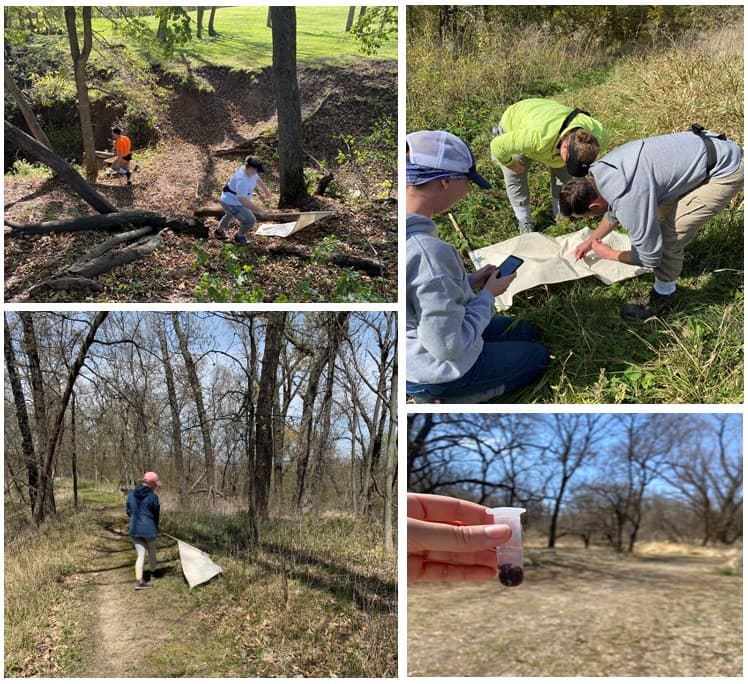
<point x="682" y="218"/>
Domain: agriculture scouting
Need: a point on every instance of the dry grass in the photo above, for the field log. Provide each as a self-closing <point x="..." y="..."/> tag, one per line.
<point x="670" y="610"/>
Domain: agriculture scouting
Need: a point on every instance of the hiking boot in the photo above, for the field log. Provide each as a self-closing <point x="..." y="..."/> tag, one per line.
<point x="142" y="584"/>
<point x="653" y="305"/>
<point x="220" y="235"/>
<point x="240" y="240"/>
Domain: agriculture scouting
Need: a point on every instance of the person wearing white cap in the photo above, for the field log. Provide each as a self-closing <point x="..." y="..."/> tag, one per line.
<point x="456" y="350"/>
<point x="144" y="510"/>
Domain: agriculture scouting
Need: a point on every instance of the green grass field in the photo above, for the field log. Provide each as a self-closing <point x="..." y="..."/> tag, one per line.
<point x="244" y="40"/>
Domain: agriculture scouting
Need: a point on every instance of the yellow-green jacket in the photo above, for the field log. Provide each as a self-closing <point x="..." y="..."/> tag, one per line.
<point x="531" y="127"/>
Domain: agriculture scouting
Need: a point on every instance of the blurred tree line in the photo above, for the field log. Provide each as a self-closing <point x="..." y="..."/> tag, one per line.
<point x="610" y="26"/>
<point x="607" y="478"/>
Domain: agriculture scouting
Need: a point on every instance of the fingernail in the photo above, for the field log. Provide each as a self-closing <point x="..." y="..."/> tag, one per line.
<point x="496" y="531"/>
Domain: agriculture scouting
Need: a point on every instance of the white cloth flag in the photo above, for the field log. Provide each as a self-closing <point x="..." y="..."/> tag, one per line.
<point x="306" y="218"/>
<point x="551" y="260"/>
<point x="196" y="564"/>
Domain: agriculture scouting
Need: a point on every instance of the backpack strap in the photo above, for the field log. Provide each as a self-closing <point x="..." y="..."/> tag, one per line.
<point x="226" y="188"/>
<point x="711" y="152"/>
<point x="569" y="118"/>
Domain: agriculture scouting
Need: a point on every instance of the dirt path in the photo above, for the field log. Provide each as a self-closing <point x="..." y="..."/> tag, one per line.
<point x="583" y="614"/>
<point x="128" y="625"/>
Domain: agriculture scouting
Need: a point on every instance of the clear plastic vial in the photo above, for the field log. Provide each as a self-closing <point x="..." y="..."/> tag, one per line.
<point x="509" y="555"/>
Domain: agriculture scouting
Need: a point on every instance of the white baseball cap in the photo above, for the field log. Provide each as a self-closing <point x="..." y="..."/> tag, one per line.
<point x="443" y="151"/>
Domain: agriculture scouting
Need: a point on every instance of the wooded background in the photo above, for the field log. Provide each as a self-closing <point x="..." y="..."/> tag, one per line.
<point x="271" y="413"/>
<point x="609" y="478"/>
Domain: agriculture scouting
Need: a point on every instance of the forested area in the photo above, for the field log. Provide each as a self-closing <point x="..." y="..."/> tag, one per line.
<point x="277" y="413"/>
<point x="207" y="87"/>
<point x="274" y="436"/>
<point x="604" y="479"/>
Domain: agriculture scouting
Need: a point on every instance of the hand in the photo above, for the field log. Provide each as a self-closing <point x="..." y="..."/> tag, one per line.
<point x="582" y="249"/>
<point x="496" y="285"/>
<point x="482" y="274"/>
<point x="451" y="540"/>
<point x="603" y="251"/>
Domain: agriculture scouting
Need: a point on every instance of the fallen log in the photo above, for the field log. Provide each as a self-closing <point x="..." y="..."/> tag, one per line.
<point x="88" y="268"/>
<point x="80" y="264"/>
<point x="116" y="221"/>
<point x="216" y="210"/>
<point x="76" y="182"/>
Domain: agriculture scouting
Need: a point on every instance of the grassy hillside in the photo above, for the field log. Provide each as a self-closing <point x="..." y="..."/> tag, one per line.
<point x="649" y="88"/>
<point x="317" y="597"/>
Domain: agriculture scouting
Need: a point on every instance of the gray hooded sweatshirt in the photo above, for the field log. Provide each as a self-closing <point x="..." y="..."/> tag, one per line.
<point x="641" y="175"/>
<point x="445" y="319"/>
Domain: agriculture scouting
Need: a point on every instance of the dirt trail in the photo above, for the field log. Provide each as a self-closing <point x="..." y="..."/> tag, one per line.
<point x="128" y="625"/>
<point x="583" y="613"/>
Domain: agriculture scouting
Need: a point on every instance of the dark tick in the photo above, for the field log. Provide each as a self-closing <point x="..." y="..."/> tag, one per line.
<point x="510" y="575"/>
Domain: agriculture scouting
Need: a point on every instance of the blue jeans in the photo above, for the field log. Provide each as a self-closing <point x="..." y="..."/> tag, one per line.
<point x="510" y="360"/>
<point x="239" y="212"/>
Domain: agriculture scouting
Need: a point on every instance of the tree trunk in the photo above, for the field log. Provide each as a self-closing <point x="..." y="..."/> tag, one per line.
<point x="286" y="91"/>
<point x="349" y="20"/>
<point x="176" y="426"/>
<point x="24" y="107"/>
<point x="390" y="464"/>
<point x="74" y="453"/>
<point x="266" y="392"/>
<point x="80" y="59"/>
<point x="46" y="483"/>
<point x="22" y="417"/>
<point x="34" y="148"/>
<point x="194" y="381"/>
<point x="200" y="13"/>
<point x="41" y="420"/>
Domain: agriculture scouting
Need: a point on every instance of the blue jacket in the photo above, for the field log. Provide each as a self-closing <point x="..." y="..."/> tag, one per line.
<point x="445" y="319"/>
<point x="143" y="509"/>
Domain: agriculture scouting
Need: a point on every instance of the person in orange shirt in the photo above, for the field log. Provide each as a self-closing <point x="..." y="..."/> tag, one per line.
<point x="122" y="148"/>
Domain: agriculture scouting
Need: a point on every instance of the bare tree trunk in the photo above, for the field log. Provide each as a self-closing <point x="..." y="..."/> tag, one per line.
<point x="80" y="59"/>
<point x="211" y="22"/>
<point x="59" y="165"/>
<point x="274" y="337"/>
<point x="46" y="483"/>
<point x="194" y="380"/>
<point x="176" y="427"/>
<point x="200" y="14"/>
<point x="286" y="91"/>
<point x="349" y="20"/>
<point x="41" y="419"/>
<point x="23" y="106"/>
<point x="390" y="464"/>
<point x="22" y="417"/>
<point x="74" y="453"/>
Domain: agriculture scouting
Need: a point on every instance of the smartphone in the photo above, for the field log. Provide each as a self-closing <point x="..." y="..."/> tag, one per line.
<point x="509" y="266"/>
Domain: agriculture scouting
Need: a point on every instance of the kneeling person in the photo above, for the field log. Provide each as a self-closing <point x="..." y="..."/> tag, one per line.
<point x="456" y="350"/>
<point x="236" y="199"/>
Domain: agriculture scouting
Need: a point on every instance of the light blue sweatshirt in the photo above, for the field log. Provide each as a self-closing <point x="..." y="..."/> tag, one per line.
<point x="641" y="175"/>
<point x="445" y="319"/>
